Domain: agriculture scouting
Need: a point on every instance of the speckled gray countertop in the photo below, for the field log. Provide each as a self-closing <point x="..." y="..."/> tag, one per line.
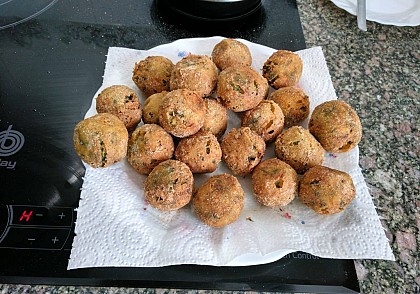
<point x="378" y="73"/>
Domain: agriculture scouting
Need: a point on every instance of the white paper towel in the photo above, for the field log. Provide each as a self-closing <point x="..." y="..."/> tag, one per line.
<point x="116" y="226"/>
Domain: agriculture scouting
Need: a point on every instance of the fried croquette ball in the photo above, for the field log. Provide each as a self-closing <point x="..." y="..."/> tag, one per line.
<point x="169" y="186"/>
<point x="101" y="140"/>
<point x="201" y="152"/>
<point x="195" y="72"/>
<point x="122" y="102"/>
<point x="274" y="182"/>
<point x="297" y="147"/>
<point x="152" y="75"/>
<point x="148" y="146"/>
<point x="266" y="119"/>
<point x="182" y="113"/>
<point x="151" y="108"/>
<point x="326" y="190"/>
<point x="216" y="118"/>
<point x="242" y="150"/>
<point x="283" y="69"/>
<point x="293" y="102"/>
<point x="336" y="126"/>
<point x="241" y="88"/>
<point x="230" y="52"/>
<point x="219" y="201"/>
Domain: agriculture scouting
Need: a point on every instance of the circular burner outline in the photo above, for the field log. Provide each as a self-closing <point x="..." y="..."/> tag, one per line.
<point x="211" y="20"/>
<point x="4" y="227"/>
<point x="28" y="17"/>
<point x="5" y="2"/>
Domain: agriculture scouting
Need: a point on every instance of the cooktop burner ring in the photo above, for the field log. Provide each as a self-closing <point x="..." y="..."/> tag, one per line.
<point x="203" y="15"/>
<point x="22" y="12"/>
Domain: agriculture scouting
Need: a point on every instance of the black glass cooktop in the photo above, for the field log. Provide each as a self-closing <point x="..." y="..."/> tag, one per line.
<point x="52" y="57"/>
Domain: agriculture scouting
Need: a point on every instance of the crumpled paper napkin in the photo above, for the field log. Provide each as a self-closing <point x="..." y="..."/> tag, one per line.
<point x="117" y="227"/>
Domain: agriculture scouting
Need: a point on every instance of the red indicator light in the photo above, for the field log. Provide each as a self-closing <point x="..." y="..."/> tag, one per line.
<point x="26" y="215"/>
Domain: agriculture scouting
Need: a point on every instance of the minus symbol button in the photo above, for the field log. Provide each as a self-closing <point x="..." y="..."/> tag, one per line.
<point x="39" y="214"/>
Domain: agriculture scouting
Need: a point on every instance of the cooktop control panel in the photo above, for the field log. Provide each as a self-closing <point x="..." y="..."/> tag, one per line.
<point x="36" y="227"/>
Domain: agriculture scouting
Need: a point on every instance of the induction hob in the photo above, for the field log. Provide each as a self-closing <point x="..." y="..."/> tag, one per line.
<point x="52" y="57"/>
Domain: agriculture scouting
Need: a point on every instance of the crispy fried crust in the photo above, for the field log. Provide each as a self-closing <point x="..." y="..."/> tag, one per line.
<point x="195" y="72"/>
<point x="148" y="146"/>
<point x="274" y="182"/>
<point x="336" y="126"/>
<point x="169" y="186"/>
<point x="152" y="75"/>
<point x="121" y="101"/>
<point x="326" y="190"/>
<point x="293" y="102"/>
<point x="216" y="118"/>
<point x="230" y="52"/>
<point x="241" y="88"/>
<point x="242" y="150"/>
<point x="266" y="119"/>
<point x="219" y="201"/>
<point x="151" y="108"/>
<point x="101" y="140"/>
<point x="201" y="152"/>
<point x="182" y="113"/>
<point x="283" y="69"/>
<point x="299" y="148"/>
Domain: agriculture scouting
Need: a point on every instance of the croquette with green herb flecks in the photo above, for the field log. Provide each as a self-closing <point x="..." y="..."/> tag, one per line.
<point x="216" y="117"/>
<point x="274" y="183"/>
<point x="299" y="148"/>
<point x="169" y="186"/>
<point x="153" y="74"/>
<point x="242" y="150"/>
<point x="101" y="140"/>
<point x="241" y="88"/>
<point x="151" y="108"/>
<point x="266" y="119"/>
<point x="121" y="101"/>
<point x="201" y="152"/>
<point x="283" y="69"/>
<point x="293" y="102"/>
<point x="336" y="125"/>
<point x="148" y="146"/>
<point x="195" y="72"/>
<point x="326" y="190"/>
<point x="219" y="201"/>
<point x="182" y="113"/>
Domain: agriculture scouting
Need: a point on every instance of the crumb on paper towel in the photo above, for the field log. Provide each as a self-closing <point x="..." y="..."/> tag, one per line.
<point x="287" y="215"/>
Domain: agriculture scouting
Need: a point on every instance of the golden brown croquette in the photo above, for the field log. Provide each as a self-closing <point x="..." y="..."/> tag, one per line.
<point x="336" y="126"/>
<point x="219" y="201"/>
<point x="169" y="186"/>
<point x="101" y="140"/>
<point x="326" y="190"/>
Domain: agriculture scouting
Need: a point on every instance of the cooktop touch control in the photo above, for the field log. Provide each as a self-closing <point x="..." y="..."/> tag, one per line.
<point x="35" y="227"/>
